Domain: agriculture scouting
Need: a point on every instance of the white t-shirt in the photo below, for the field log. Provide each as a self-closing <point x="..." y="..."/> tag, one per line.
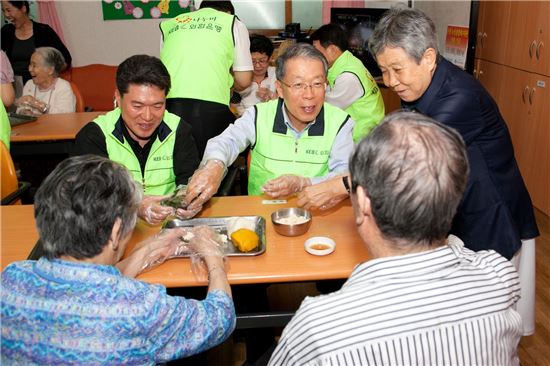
<point x="242" y="59"/>
<point x="249" y="97"/>
<point x="60" y="98"/>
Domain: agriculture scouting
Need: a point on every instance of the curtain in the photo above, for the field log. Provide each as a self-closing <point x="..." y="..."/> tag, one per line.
<point x="328" y="4"/>
<point x="48" y="14"/>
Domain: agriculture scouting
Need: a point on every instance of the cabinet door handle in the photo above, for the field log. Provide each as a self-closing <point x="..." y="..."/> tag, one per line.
<point x="524" y="94"/>
<point x="531" y="48"/>
<point x="531" y="96"/>
<point x="482" y="38"/>
<point x="539" y="47"/>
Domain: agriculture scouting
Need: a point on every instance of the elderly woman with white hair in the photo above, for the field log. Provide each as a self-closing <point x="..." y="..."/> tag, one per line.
<point x="46" y="92"/>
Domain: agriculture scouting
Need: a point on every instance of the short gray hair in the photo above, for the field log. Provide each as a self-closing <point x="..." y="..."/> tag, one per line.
<point x="52" y="57"/>
<point x="78" y="203"/>
<point x="414" y="170"/>
<point x="409" y="29"/>
<point x="298" y="50"/>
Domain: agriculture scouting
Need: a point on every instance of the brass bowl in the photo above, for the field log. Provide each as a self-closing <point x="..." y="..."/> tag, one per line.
<point x="289" y="229"/>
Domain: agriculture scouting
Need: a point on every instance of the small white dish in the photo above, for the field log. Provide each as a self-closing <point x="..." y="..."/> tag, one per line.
<point x="319" y="245"/>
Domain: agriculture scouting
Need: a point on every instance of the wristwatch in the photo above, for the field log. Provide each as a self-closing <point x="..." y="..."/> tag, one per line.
<point x="346" y="184"/>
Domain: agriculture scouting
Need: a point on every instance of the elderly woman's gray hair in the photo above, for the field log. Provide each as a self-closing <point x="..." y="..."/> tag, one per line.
<point x="414" y="170"/>
<point x="409" y="29"/>
<point x="78" y="204"/>
<point x="52" y="57"/>
<point x="298" y="50"/>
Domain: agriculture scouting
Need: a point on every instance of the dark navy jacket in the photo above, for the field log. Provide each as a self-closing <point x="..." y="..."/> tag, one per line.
<point x="496" y="210"/>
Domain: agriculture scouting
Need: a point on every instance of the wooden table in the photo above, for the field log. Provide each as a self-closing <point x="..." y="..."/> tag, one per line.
<point x="49" y="134"/>
<point x="285" y="259"/>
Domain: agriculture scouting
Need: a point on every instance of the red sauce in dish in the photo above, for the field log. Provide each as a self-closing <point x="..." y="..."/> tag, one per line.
<point x="319" y="246"/>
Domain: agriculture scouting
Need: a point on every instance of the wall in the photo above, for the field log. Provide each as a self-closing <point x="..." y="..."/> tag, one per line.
<point x="92" y="40"/>
<point x="445" y="13"/>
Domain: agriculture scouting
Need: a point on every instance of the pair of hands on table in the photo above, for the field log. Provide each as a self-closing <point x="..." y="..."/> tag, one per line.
<point x="324" y="195"/>
<point x="202" y="246"/>
<point x="207" y="179"/>
<point x="29" y="105"/>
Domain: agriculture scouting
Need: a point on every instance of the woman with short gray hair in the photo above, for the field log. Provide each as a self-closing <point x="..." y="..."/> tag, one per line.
<point x="496" y="211"/>
<point x="46" y="92"/>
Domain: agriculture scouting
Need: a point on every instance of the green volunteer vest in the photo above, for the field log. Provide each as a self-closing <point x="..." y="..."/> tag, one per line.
<point x="277" y="151"/>
<point x="159" y="177"/>
<point x="5" y="127"/>
<point x="198" y="53"/>
<point x="368" y="110"/>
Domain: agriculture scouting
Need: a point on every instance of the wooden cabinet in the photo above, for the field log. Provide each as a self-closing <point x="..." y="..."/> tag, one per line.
<point x="523" y="100"/>
<point x="492" y="30"/>
<point x="529" y="39"/>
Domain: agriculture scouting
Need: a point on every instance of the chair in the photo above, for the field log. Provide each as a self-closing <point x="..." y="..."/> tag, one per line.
<point x="12" y="190"/>
<point x="96" y="82"/>
<point x="80" y="106"/>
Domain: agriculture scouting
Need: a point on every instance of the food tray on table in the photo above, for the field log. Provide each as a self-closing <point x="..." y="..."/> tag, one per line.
<point x="219" y="225"/>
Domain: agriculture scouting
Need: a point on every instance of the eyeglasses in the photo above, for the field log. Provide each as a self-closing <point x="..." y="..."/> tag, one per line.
<point x="260" y="62"/>
<point x="301" y="87"/>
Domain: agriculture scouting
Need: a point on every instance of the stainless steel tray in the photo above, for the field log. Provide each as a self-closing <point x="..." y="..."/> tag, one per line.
<point x="219" y="224"/>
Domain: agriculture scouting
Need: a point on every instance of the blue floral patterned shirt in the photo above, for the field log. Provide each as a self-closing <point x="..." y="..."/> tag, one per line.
<point x="59" y="312"/>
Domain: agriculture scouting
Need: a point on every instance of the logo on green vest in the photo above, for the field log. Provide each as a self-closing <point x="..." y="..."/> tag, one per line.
<point x="317" y="152"/>
<point x="165" y="157"/>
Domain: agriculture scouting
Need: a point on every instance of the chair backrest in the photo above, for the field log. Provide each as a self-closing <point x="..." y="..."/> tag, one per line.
<point x="80" y="105"/>
<point x="9" y="180"/>
<point x="96" y="83"/>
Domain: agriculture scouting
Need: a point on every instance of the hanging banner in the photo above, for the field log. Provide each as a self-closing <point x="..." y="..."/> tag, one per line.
<point x="144" y="9"/>
<point x="456" y="45"/>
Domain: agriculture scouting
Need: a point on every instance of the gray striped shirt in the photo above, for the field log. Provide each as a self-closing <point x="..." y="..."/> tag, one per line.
<point x="448" y="306"/>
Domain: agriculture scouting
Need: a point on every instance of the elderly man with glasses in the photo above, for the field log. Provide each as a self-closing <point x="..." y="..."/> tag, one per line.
<point x="295" y="141"/>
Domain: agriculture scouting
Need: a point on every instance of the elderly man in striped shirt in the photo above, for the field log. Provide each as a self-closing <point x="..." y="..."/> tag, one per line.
<point x="423" y="299"/>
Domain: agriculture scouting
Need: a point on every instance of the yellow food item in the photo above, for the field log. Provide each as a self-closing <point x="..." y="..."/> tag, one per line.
<point x="245" y="240"/>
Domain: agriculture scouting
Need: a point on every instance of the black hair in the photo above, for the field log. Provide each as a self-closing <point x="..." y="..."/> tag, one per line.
<point x="225" y="6"/>
<point x="20" y="4"/>
<point x="142" y="70"/>
<point x="261" y="44"/>
<point x="331" y="34"/>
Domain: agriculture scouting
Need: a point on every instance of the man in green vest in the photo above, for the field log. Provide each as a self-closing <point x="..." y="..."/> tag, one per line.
<point x="206" y="52"/>
<point x="351" y="86"/>
<point x="295" y="141"/>
<point x="153" y="144"/>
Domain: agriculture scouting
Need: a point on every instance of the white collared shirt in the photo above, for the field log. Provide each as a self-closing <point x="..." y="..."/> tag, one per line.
<point x="446" y="306"/>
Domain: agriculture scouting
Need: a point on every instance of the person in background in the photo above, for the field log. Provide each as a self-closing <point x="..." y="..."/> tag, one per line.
<point x="80" y="304"/>
<point x="351" y="86"/>
<point x="6" y="81"/>
<point x="154" y="144"/>
<point x="421" y="296"/>
<point x="296" y="141"/>
<point x="22" y="36"/>
<point x="206" y="52"/>
<point x="496" y="211"/>
<point x="46" y="92"/>
<point x="262" y="88"/>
